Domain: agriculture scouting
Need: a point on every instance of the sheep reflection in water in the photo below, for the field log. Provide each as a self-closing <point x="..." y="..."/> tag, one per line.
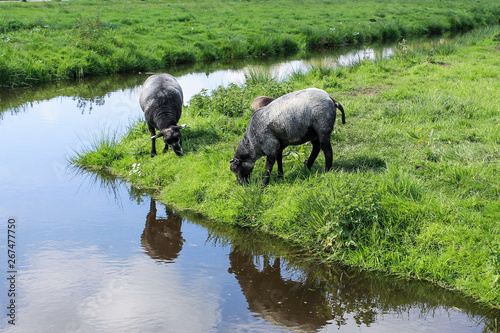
<point x="162" y="237"/>
<point x="293" y="304"/>
<point x="276" y="298"/>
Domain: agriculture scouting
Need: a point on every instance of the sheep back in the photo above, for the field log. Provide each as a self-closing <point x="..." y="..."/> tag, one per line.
<point x="161" y="100"/>
<point x="292" y="119"/>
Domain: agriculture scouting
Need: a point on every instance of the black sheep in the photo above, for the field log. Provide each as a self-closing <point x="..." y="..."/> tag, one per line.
<point x="161" y="100"/>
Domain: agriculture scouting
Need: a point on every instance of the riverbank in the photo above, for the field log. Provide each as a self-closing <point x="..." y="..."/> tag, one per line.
<point x="50" y="41"/>
<point x="415" y="189"/>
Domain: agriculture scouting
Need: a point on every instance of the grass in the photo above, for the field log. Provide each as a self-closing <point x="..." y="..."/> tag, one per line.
<point x="415" y="189"/>
<point x="50" y="41"/>
<point x="105" y="147"/>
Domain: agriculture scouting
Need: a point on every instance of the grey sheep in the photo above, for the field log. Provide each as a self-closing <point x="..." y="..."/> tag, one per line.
<point x="161" y="100"/>
<point x="292" y="119"/>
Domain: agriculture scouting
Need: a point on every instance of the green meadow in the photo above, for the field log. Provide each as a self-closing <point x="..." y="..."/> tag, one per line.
<point x="52" y="40"/>
<point x="415" y="186"/>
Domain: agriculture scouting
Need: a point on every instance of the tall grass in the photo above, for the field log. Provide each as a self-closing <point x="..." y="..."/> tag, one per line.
<point x="99" y="151"/>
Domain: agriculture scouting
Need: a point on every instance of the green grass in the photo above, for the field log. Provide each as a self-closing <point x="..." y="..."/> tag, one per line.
<point x="49" y="41"/>
<point x="104" y="145"/>
<point x="415" y="189"/>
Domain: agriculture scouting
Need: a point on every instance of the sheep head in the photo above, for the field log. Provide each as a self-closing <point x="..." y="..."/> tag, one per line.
<point x="172" y="137"/>
<point x="243" y="168"/>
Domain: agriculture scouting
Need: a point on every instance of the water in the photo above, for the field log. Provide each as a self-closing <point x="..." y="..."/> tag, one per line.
<point x="94" y="254"/>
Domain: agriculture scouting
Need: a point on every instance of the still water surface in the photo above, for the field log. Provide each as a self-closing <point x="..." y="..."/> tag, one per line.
<point x="94" y="254"/>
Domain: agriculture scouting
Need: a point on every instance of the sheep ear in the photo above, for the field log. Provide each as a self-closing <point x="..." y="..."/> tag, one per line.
<point x="178" y="128"/>
<point x="235" y="161"/>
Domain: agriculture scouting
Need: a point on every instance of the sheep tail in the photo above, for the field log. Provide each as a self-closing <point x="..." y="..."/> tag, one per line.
<point x="339" y="106"/>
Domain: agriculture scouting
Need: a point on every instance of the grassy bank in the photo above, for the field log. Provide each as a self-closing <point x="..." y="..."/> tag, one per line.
<point x="48" y="41"/>
<point x="415" y="189"/>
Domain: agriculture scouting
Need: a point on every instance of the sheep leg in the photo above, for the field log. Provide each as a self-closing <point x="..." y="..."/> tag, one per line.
<point x="166" y="148"/>
<point x="279" y="159"/>
<point x="153" y="143"/>
<point x="314" y="153"/>
<point x="153" y="148"/>
<point x="269" y="167"/>
<point x="326" y="146"/>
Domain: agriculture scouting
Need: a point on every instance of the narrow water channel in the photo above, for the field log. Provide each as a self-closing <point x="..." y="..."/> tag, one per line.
<point x="93" y="254"/>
